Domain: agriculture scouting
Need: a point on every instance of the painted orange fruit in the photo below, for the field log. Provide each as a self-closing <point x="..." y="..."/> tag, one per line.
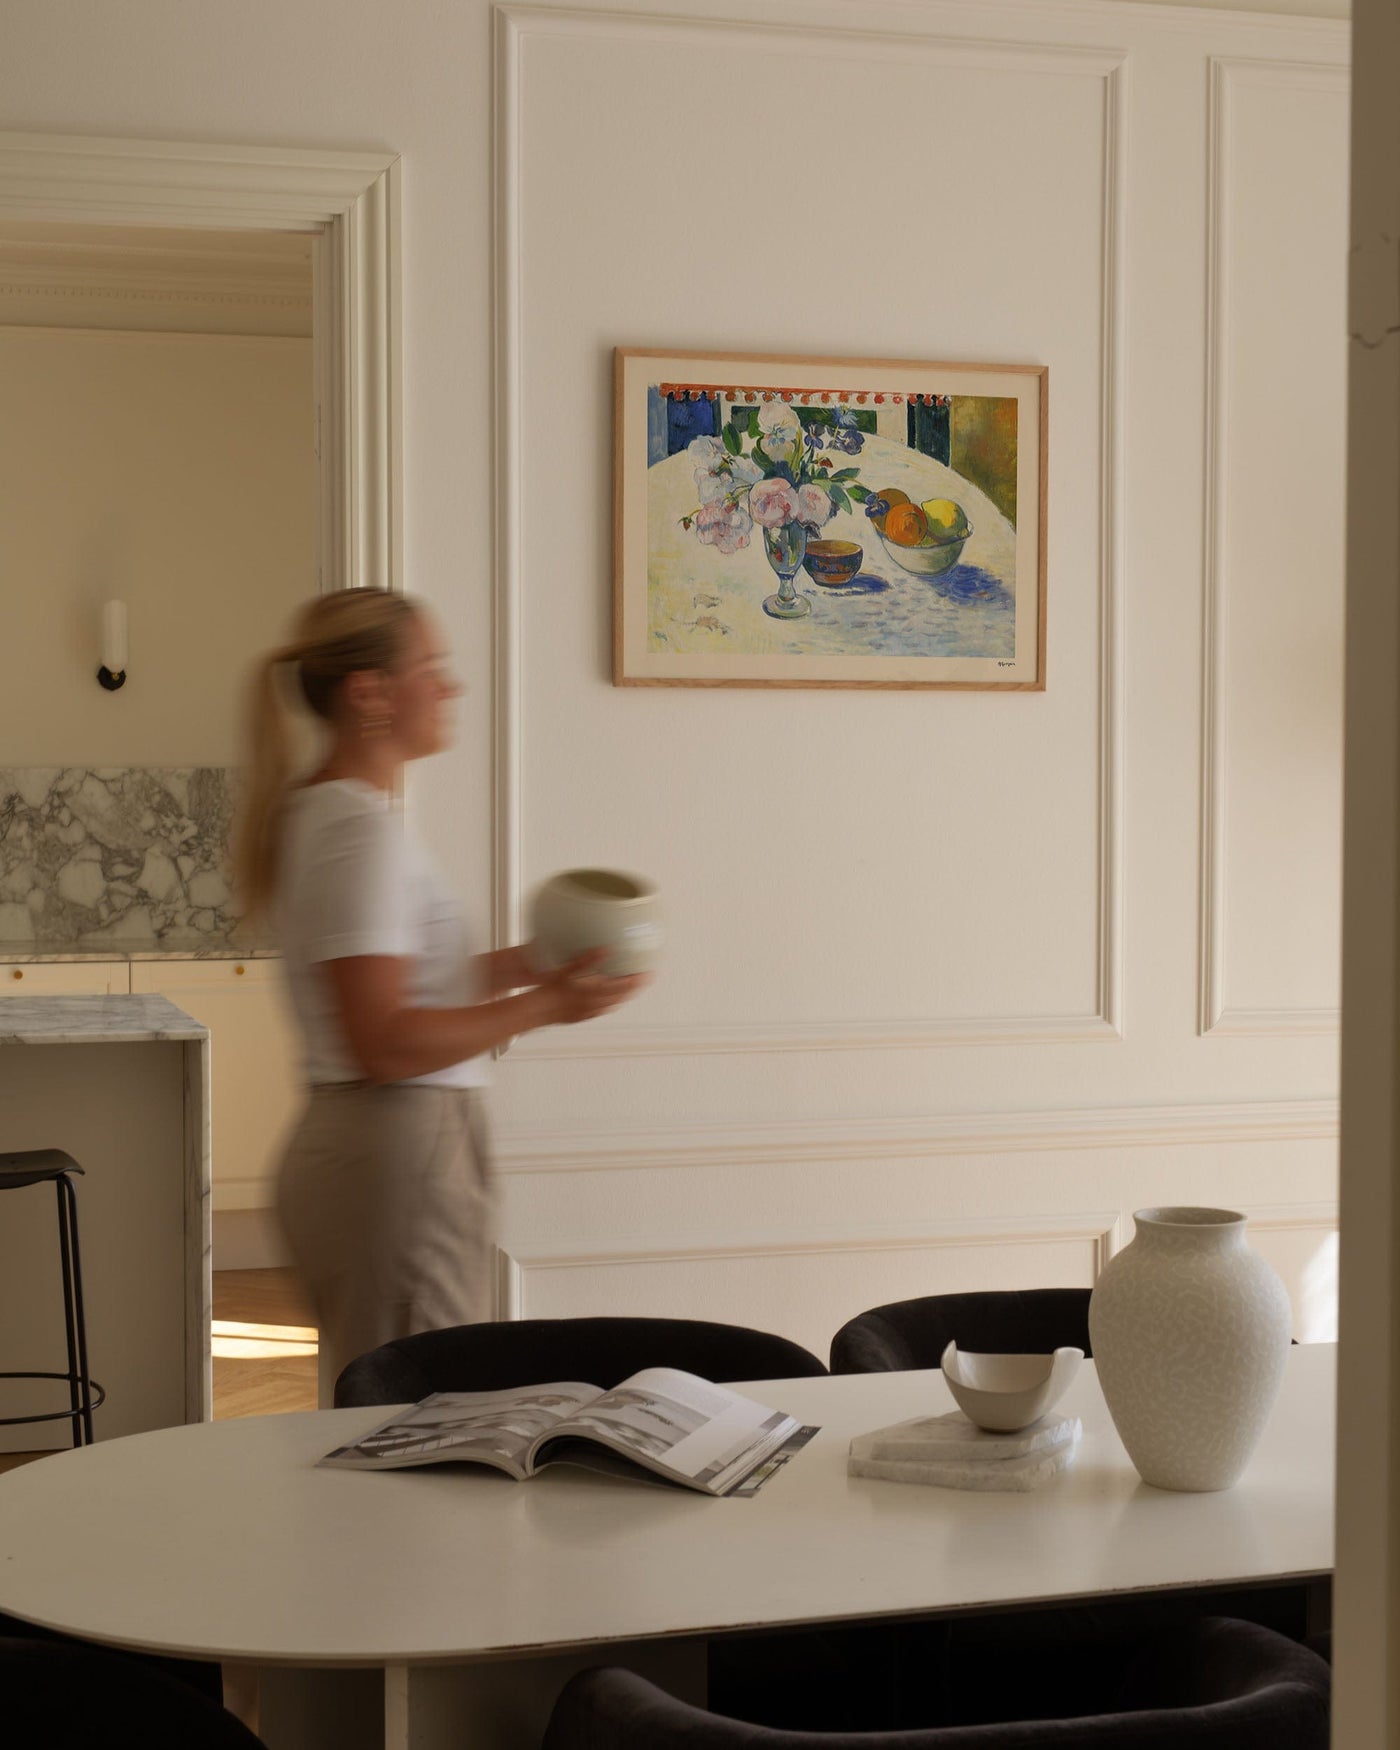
<point x="906" y="525"/>
<point x="892" y="496"/>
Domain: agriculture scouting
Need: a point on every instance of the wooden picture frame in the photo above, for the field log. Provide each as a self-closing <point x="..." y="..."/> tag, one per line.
<point x="825" y="522"/>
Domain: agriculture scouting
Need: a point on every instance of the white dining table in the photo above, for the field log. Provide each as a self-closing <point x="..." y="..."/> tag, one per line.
<point x="446" y="1606"/>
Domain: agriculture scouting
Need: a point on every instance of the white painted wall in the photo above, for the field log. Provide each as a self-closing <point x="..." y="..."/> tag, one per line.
<point x="940" y="963"/>
<point x="172" y="471"/>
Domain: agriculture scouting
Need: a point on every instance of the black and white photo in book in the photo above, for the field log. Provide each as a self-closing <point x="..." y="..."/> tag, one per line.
<point x="672" y="1424"/>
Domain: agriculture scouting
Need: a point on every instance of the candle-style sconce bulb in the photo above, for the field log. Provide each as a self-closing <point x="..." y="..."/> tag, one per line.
<point x="112" y="672"/>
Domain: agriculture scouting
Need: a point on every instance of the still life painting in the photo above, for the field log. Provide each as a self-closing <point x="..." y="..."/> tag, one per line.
<point x="828" y="522"/>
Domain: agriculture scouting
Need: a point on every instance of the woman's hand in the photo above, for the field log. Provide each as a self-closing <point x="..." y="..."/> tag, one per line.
<point x="578" y="992"/>
<point x="508" y="969"/>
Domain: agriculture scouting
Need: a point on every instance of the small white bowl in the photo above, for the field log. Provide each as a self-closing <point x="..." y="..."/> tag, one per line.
<point x="1005" y="1392"/>
<point x="581" y="909"/>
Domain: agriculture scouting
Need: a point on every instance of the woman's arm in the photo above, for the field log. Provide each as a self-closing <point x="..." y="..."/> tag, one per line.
<point x="505" y="970"/>
<point x="392" y="1041"/>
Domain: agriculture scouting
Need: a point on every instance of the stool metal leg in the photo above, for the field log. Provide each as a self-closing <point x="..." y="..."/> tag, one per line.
<point x="69" y="1331"/>
<point x="80" y="1321"/>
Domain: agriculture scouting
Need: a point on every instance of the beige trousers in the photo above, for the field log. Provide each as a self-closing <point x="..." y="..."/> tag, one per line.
<point x="385" y="1200"/>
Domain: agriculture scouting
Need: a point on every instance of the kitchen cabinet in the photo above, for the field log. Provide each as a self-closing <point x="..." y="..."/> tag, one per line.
<point x="63" y="978"/>
<point x="256" y="1069"/>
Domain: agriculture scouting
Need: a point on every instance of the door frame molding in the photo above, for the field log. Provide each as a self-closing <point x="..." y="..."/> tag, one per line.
<point x="351" y="202"/>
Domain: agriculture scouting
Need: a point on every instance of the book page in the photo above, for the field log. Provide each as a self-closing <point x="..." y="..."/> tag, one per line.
<point x="683" y="1426"/>
<point x="469" y="1427"/>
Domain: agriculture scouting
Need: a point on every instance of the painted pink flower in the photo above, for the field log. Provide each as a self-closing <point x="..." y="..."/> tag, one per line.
<point x="772" y="503"/>
<point x="723" y="525"/>
<point x="813" y="506"/>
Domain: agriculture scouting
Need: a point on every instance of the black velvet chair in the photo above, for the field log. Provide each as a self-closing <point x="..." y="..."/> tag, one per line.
<point x="65" y="1695"/>
<point x="1215" y="1684"/>
<point x="601" y="1352"/>
<point x="910" y="1334"/>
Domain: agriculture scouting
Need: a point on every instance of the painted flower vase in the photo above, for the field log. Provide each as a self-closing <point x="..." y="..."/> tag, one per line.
<point x="1190" y="1330"/>
<point x="786" y="548"/>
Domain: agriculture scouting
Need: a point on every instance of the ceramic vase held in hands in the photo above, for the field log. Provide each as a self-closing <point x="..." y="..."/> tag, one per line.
<point x="583" y="909"/>
<point x="1190" y="1331"/>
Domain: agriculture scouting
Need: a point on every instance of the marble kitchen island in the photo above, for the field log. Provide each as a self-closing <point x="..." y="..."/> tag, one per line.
<point x="122" y="1084"/>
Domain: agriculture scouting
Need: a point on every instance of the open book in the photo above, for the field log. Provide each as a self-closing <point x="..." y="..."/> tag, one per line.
<point x="684" y="1429"/>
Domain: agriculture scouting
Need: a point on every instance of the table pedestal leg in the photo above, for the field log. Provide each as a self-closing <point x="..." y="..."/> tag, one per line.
<point x="241" y="1693"/>
<point x="302" y="1709"/>
<point x="505" y="1704"/>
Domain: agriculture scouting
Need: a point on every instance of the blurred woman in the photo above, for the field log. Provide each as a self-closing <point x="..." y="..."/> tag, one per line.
<point x="384" y="1191"/>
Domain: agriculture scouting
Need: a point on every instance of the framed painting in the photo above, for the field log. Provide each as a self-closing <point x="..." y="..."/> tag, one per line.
<point x="810" y="522"/>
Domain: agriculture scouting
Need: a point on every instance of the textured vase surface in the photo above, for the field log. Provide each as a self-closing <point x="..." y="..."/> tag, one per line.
<point x="1190" y="1331"/>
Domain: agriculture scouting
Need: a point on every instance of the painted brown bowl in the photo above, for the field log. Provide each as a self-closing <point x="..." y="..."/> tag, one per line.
<point x="832" y="562"/>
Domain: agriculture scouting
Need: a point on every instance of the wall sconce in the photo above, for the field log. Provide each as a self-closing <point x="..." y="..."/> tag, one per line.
<point x="112" y="673"/>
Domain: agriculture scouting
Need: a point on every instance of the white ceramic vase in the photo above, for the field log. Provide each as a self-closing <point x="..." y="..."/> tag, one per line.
<point x="1190" y="1330"/>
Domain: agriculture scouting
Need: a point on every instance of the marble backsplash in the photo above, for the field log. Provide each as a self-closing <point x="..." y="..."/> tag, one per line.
<point x="115" y="854"/>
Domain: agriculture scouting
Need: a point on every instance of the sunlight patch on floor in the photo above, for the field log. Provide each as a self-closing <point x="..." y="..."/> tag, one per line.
<point x="234" y="1340"/>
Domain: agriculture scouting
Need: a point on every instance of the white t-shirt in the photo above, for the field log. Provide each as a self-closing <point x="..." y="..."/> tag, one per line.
<point x="353" y="882"/>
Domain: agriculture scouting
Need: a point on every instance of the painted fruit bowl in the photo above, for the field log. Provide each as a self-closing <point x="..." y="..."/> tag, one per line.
<point x="933" y="556"/>
<point x="1005" y="1392"/>
<point x="832" y="562"/>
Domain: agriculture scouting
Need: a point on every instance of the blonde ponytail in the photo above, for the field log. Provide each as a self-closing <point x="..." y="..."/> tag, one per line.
<point x="335" y="635"/>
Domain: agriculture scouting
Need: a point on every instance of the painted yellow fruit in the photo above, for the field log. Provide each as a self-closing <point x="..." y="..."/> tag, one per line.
<point x="945" y="518"/>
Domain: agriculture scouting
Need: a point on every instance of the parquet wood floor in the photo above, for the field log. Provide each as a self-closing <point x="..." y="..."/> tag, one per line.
<point x="273" y="1377"/>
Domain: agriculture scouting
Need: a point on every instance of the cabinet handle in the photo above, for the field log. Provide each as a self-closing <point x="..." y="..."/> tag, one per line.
<point x="239" y="971"/>
<point x="18" y="972"/>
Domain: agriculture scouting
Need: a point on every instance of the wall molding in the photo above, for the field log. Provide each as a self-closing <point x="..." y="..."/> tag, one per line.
<point x="1275" y="1217"/>
<point x="36" y="301"/>
<point x="888" y="1139"/>
<point x="1102" y="1229"/>
<point x="512" y="25"/>
<point x="101" y="279"/>
<point x="18" y="284"/>
<point x="1107" y="1231"/>
<point x="1215" y="1016"/>
<point x="351" y="201"/>
<point x="1156" y="15"/>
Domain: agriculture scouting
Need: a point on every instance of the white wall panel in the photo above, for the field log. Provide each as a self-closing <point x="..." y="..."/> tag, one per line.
<point x="1276" y="493"/>
<point x="850" y="868"/>
<point x="804" y="1289"/>
<point x="1301" y="1244"/>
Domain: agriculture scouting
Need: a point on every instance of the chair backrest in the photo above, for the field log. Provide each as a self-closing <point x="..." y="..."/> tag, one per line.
<point x="63" y="1695"/>
<point x="1215" y="1685"/>
<point x="914" y="1333"/>
<point x="601" y="1352"/>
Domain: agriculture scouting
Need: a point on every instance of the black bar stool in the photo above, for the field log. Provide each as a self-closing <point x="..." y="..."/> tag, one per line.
<point x="34" y="1167"/>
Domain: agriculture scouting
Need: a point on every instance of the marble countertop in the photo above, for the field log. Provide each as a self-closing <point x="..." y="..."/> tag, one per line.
<point x="93" y="1020"/>
<point x="168" y="948"/>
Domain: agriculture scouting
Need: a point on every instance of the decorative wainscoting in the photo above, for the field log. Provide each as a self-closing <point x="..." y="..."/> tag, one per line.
<point x="806" y="1285"/>
<point x="888" y="1139"/>
<point x="1272" y="746"/>
<point x="1099" y="75"/>
<point x="803" y="1284"/>
<point x="625" y="1222"/>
